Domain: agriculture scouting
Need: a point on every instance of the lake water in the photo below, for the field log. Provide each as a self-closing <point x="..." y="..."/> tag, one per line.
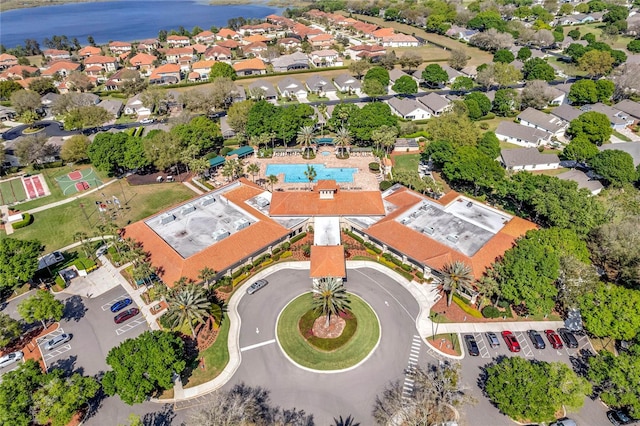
<point x="118" y="20"/>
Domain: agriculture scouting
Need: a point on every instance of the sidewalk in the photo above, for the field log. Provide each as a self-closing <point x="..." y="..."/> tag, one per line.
<point x="68" y="200"/>
<point x="193" y="188"/>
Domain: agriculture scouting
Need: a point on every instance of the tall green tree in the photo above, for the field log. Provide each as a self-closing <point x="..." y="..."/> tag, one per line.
<point x="144" y="366"/>
<point x="433" y="75"/>
<point x="18" y="261"/>
<point x="221" y="69"/>
<point x="456" y="275"/>
<point x="330" y="298"/>
<point x="583" y="92"/>
<point x="611" y="311"/>
<point x="61" y="397"/>
<point x="188" y="305"/>
<point x="594" y="126"/>
<point x="75" y="149"/>
<point x="310" y="173"/>
<point x="86" y="116"/>
<point x="489" y="144"/>
<point x="342" y="140"/>
<point x="237" y="115"/>
<point x="10" y="329"/>
<point x="42" y="306"/>
<point x="455" y="128"/>
<point x="378" y="73"/>
<point x="538" y="69"/>
<point x="615" y="166"/>
<point x="16" y="393"/>
<point x="373" y="115"/>
<point x="405" y="85"/>
<point x="580" y="149"/>
<point x="471" y="168"/>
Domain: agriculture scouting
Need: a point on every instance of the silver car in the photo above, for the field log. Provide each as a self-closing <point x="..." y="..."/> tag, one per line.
<point x="57" y="341"/>
<point x="9" y="359"/>
<point x="256" y="286"/>
<point x="492" y="338"/>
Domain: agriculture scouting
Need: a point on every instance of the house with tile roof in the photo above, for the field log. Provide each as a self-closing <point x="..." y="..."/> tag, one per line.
<point x="107" y="63"/>
<point x="218" y="53"/>
<point x="399" y="40"/>
<point x="148" y="45"/>
<point x="56" y="54"/>
<point x="178" y="41"/>
<point x="364" y="51"/>
<point x="166" y="74"/>
<point x="229" y="44"/>
<point x="87" y="51"/>
<point x="326" y="58"/>
<point x="7" y="60"/>
<point x="258" y="38"/>
<point x="322" y="41"/>
<point x="118" y="47"/>
<point x="202" y="68"/>
<point x="226" y="33"/>
<point x="174" y="54"/>
<point x="61" y="68"/>
<point x="143" y="62"/>
<point x="253" y="66"/>
<point x="205" y="37"/>
<point x="18" y="72"/>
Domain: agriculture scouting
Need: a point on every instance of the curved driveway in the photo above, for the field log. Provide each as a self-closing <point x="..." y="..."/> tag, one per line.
<point x="325" y="395"/>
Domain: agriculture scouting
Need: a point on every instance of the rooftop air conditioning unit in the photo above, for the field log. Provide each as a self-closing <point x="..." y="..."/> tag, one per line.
<point x="220" y="235"/>
<point x="209" y="199"/>
<point x="188" y="208"/>
<point x="429" y="230"/>
<point x="452" y="238"/>
<point x="166" y="218"/>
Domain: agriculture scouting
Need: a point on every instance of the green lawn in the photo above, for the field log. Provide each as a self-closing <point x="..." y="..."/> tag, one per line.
<point x="55" y="227"/>
<point x="406" y="162"/>
<point x="11" y="191"/>
<point x="355" y="350"/>
<point x="596" y="29"/>
<point x="621" y="136"/>
<point x="216" y="358"/>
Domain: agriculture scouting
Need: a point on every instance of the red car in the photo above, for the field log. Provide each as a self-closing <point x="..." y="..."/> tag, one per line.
<point x="125" y="315"/>
<point x="554" y="339"/>
<point x="511" y="341"/>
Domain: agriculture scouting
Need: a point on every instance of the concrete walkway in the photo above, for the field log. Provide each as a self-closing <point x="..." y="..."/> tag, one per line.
<point x="4" y="214"/>
<point x="69" y="200"/>
<point x="193" y="188"/>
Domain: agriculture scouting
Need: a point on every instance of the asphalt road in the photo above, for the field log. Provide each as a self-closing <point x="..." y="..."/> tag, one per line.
<point x="326" y="395"/>
<point x="54" y="128"/>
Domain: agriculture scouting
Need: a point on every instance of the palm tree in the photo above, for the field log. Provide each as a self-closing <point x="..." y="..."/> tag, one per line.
<point x="143" y="271"/>
<point x="272" y="179"/>
<point x="207" y="274"/>
<point x="456" y="275"/>
<point x="342" y="139"/>
<point x="84" y="243"/>
<point x="347" y="421"/>
<point x="187" y="305"/>
<point x="310" y="173"/>
<point x="330" y="297"/>
<point x="253" y="169"/>
<point x="305" y="136"/>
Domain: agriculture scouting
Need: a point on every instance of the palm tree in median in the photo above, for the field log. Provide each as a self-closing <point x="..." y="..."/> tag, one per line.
<point x="305" y="136"/>
<point x="310" y="173"/>
<point x="342" y="140"/>
<point x="187" y="305"/>
<point x="272" y="179"/>
<point x="253" y="169"/>
<point x="330" y="297"/>
<point x="456" y="275"/>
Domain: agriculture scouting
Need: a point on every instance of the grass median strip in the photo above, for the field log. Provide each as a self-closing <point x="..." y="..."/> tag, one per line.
<point x="363" y="341"/>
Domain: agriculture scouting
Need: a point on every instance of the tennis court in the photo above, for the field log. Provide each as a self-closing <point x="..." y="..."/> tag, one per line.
<point x="78" y="180"/>
<point x="12" y="191"/>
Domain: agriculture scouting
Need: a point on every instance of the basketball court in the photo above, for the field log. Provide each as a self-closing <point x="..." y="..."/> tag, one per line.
<point x="78" y="180"/>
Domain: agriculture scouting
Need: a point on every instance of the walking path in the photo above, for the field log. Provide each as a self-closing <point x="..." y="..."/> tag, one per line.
<point x="425" y="294"/>
<point x="68" y="200"/>
<point x="4" y="215"/>
<point x="192" y="187"/>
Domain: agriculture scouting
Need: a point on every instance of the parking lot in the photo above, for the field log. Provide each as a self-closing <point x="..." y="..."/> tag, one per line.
<point x="483" y="412"/>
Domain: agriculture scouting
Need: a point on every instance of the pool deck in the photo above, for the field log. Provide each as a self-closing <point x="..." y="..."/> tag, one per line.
<point x="363" y="179"/>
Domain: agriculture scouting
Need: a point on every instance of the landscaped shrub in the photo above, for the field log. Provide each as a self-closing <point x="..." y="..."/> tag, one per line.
<point x="503" y="304"/>
<point x="306" y="250"/>
<point x="371" y="252"/>
<point x="374" y="167"/>
<point x="404" y="273"/>
<point x="354" y="236"/>
<point x="276" y="257"/>
<point x="490" y="312"/>
<point x="224" y="151"/>
<point x="298" y="237"/>
<point x="420" y="275"/>
<point x="465" y="307"/>
<point x="406" y="267"/>
<point x="237" y="273"/>
<point x="286" y="254"/>
<point x="276" y="251"/>
<point x="27" y="220"/>
<point x="375" y="249"/>
<point x="60" y="282"/>
<point x="286" y="245"/>
<point x="385" y="184"/>
<point x="267" y="262"/>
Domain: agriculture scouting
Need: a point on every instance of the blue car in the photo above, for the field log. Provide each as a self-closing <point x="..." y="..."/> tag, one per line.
<point x="120" y="304"/>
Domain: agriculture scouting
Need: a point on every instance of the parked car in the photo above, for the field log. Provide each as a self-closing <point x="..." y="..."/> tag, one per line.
<point x="57" y="341"/>
<point x="472" y="345"/>
<point x="257" y="286"/>
<point x="9" y="359"/>
<point x="511" y="341"/>
<point x="102" y="250"/>
<point x="620" y="418"/>
<point x="126" y="315"/>
<point x="564" y="422"/>
<point x="554" y="339"/>
<point x="536" y="339"/>
<point x="568" y="338"/>
<point x="120" y="305"/>
<point x="146" y="121"/>
<point x="492" y="338"/>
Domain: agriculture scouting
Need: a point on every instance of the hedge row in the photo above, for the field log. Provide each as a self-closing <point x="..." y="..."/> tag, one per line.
<point x="491" y="312"/>
<point x="297" y="237"/>
<point x="465" y="307"/>
<point x="27" y="219"/>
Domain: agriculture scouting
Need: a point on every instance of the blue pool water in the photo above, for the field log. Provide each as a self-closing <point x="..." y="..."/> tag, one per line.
<point x="294" y="173"/>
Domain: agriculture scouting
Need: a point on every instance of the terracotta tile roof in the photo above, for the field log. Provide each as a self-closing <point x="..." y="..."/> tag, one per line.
<point x="199" y="48"/>
<point x="326" y="184"/>
<point x="384" y="32"/>
<point x="167" y="68"/>
<point x="255" y="38"/>
<point x="55" y="52"/>
<point x="226" y="32"/>
<point x="205" y="33"/>
<point x="59" y="66"/>
<point x="344" y="203"/>
<point x="89" y="50"/>
<point x="142" y="59"/>
<point x="119" y="44"/>
<point x="321" y="37"/>
<point x="250" y="64"/>
<point x="180" y="51"/>
<point x="177" y="38"/>
<point x="219" y="256"/>
<point x="99" y="59"/>
<point x="327" y="261"/>
<point x="433" y="253"/>
<point x="202" y="64"/>
<point x="228" y="44"/>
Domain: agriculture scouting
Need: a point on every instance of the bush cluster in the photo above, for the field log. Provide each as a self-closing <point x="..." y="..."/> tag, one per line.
<point x="27" y="220"/>
<point x="490" y="312"/>
<point x="297" y="237"/>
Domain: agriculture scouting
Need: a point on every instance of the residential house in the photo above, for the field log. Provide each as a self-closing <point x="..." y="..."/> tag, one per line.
<point x="629" y="107"/>
<point x="175" y="54"/>
<point x="143" y="62"/>
<point x="205" y="37"/>
<point x="395" y="74"/>
<point x="7" y="61"/>
<point x="583" y="180"/>
<point x="522" y="135"/>
<point x="112" y="106"/>
<point x="289" y="43"/>
<point x="470" y="71"/>
<point x="238" y="94"/>
<point x="119" y="47"/>
<point x="529" y="159"/>
<point x="226" y="130"/>
<point x="48" y="99"/>
<point x="7" y="113"/>
<point x="452" y="73"/>
<point x="178" y="41"/>
<point x="60" y="68"/>
<point x="202" y="68"/>
<point x="364" y="51"/>
<point x="148" y="45"/>
<point x="255" y="39"/>
<point x="56" y="54"/>
<point x="400" y="40"/>
<point x="18" y="72"/>
<point x="199" y="48"/>
<point x="326" y="58"/>
<point x="280" y="21"/>
<point x="226" y="33"/>
<point x="558" y="97"/>
<point x="322" y="41"/>
<point x="228" y="44"/>
<point x="256" y="49"/>
<point x="320" y="85"/>
<point x="409" y="109"/>
<point x="290" y="87"/>
<point x="218" y="53"/>
<point x="618" y="119"/>
<point x="303" y="31"/>
<point x="134" y="106"/>
<point x="461" y="33"/>
<point x="435" y="103"/>
<point x="107" y="63"/>
<point x="566" y="113"/>
<point x="95" y="72"/>
<point x="115" y="81"/>
<point x="87" y="51"/>
<point x="631" y="148"/>
<point x="253" y="66"/>
<point x="379" y="34"/>
<point x="347" y="83"/>
<point x="261" y="89"/>
<point x="166" y="74"/>
<point x="294" y="61"/>
<point x="263" y="28"/>
<point x="531" y="117"/>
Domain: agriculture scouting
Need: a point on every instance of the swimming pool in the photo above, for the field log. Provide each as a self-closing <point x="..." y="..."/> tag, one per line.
<point x="294" y="173"/>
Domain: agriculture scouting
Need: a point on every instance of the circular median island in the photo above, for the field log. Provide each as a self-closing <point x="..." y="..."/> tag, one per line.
<point x="349" y="339"/>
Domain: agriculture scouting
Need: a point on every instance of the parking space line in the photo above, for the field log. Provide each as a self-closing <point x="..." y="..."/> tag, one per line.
<point x="54" y="333"/>
<point x="129" y="326"/>
<point x="56" y="352"/>
<point x="524" y="344"/>
<point x="107" y="306"/>
<point x="482" y="345"/>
